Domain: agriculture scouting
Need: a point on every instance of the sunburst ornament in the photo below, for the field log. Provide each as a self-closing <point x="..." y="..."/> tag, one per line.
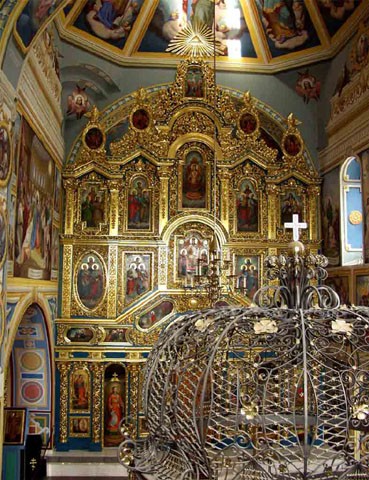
<point x="195" y="40"/>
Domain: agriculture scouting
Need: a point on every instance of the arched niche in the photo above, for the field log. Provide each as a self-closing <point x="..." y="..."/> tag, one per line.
<point x="30" y="373"/>
<point x="115" y="393"/>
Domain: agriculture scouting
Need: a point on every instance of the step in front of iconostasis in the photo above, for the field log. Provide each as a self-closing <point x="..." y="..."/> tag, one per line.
<point x="78" y="463"/>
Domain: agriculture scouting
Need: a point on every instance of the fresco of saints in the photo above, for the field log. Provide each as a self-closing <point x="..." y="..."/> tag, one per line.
<point x="111" y="19"/>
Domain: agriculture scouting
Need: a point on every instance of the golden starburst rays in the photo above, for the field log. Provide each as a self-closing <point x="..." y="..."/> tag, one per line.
<point x="195" y="40"/>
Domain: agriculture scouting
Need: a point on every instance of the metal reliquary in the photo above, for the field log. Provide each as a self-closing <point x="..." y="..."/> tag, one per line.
<point x="279" y="390"/>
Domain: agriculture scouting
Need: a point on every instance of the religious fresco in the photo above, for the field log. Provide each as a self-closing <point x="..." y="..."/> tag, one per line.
<point x="90" y="281"/>
<point x="291" y="203"/>
<point x="341" y="286"/>
<point x="57" y="194"/>
<point x="308" y="86"/>
<point x="247" y="274"/>
<point x="357" y="60"/>
<point x="108" y="21"/>
<point x="137" y="270"/>
<point x="78" y="103"/>
<point x="5" y="154"/>
<point x="93" y="200"/>
<point x="80" y="391"/>
<point x="55" y="244"/>
<point x="32" y="18"/>
<point x="247" y="207"/>
<point x="35" y="191"/>
<point x="154" y="316"/>
<point x="194" y="181"/>
<point x="3" y="237"/>
<point x="193" y="256"/>
<point x="11" y="231"/>
<point x="362" y="290"/>
<point x="139" y="204"/>
<point x="114" y="407"/>
<point x="336" y="13"/>
<point x="331" y="217"/>
<point x="230" y="25"/>
<point x="287" y="25"/>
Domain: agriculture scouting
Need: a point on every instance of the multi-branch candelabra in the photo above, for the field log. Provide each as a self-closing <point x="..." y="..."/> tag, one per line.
<point x="212" y="275"/>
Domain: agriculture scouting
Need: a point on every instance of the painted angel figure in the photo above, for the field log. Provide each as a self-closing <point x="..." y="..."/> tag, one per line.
<point x="78" y="102"/>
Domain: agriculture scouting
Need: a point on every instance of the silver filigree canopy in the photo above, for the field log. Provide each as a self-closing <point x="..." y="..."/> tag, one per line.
<point x="276" y="391"/>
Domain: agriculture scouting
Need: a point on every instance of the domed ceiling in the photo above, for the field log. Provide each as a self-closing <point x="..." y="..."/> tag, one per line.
<point x="255" y="35"/>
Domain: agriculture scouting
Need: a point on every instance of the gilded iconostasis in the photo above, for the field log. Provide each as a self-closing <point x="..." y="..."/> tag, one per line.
<point x="194" y="163"/>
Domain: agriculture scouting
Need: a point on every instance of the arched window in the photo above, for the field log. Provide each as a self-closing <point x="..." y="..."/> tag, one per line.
<point x="352" y="212"/>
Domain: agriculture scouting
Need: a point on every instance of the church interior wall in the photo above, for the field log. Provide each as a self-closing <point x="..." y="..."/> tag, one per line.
<point x="94" y="345"/>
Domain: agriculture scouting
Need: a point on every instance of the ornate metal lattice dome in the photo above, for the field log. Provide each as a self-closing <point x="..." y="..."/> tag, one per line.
<point x="276" y="391"/>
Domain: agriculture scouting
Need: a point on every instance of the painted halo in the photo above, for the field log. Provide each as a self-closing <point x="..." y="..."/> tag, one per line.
<point x="5" y="153"/>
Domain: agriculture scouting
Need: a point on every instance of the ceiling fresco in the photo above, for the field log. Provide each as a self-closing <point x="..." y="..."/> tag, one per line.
<point x="255" y="35"/>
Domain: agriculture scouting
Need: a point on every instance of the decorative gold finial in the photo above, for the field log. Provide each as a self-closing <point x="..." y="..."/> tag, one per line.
<point x="93" y="115"/>
<point x="292" y="121"/>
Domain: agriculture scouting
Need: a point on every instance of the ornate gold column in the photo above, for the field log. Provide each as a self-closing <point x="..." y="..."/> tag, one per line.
<point x="135" y="403"/>
<point x="114" y="201"/>
<point x="272" y="211"/>
<point x="164" y="175"/>
<point x="112" y="282"/>
<point x="69" y="185"/>
<point x="314" y="212"/>
<point x="67" y="280"/>
<point x="224" y="176"/>
<point x="97" y="412"/>
<point x="64" y="369"/>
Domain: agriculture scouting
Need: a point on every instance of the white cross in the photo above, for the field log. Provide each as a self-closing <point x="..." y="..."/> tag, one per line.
<point x="295" y="225"/>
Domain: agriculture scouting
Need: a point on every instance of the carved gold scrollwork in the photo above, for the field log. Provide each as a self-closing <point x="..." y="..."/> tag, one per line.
<point x="112" y="281"/>
<point x="64" y="369"/>
<point x="67" y="280"/>
<point x="164" y="173"/>
<point x="114" y="188"/>
<point x="135" y="406"/>
<point x="69" y="186"/>
<point x="97" y="411"/>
